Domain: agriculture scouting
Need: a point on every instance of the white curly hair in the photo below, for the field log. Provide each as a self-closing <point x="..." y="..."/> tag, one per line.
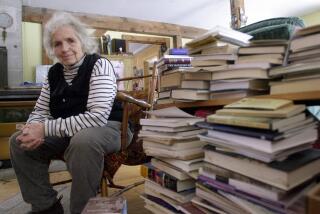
<point x="60" y="19"/>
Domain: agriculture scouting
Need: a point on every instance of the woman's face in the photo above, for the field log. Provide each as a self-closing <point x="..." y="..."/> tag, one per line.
<point x="66" y="45"/>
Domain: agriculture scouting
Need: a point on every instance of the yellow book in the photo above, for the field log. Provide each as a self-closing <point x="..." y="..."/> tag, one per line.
<point x="260" y="103"/>
<point x="256" y="122"/>
<point x="284" y="112"/>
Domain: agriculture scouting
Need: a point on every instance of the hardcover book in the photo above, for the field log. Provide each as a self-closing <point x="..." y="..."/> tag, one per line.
<point x="168" y="181"/>
<point x="178" y="51"/>
<point x="283" y="112"/>
<point x="286" y="174"/>
<point x="260" y="103"/>
<point x="250" y="73"/>
<point x="279" y="124"/>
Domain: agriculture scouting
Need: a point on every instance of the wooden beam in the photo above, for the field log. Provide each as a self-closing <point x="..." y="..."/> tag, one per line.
<point x="99" y="32"/>
<point x="146" y="39"/>
<point x="32" y="14"/>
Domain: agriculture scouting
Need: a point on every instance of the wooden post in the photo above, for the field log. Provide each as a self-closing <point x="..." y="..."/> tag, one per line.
<point x="177" y="41"/>
<point x="237" y="13"/>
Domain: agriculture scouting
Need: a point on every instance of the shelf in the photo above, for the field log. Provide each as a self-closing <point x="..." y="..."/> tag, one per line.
<point x="301" y="96"/>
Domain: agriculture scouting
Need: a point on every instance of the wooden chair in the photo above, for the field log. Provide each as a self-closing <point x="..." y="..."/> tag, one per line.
<point x="133" y="154"/>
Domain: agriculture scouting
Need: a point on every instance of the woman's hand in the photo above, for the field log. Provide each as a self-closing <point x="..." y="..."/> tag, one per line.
<point x="32" y="136"/>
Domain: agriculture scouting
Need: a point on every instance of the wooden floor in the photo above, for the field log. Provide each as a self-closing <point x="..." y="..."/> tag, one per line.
<point x="11" y="201"/>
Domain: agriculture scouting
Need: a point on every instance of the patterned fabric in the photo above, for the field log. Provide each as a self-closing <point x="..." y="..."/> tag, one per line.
<point x="134" y="154"/>
<point x="275" y="28"/>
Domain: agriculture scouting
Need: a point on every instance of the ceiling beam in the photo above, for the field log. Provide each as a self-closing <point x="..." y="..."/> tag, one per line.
<point x="39" y="15"/>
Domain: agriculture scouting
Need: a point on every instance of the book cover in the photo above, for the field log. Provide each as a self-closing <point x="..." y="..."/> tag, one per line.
<point x="280" y="124"/>
<point x="305" y="42"/>
<point x="168" y="181"/>
<point x="106" y="205"/>
<point x="178" y="51"/>
<point x="283" y="112"/>
<point x="252" y="73"/>
<point x="260" y="103"/>
<point x="261" y="50"/>
<point x="251" y="132"/>
<point x="170" y="169"/>
<point x="220" y="33"/>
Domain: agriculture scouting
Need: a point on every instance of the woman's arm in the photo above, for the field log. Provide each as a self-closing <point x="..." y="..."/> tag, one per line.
<point x="41" y="110"/>
<point x="102" y="92"/>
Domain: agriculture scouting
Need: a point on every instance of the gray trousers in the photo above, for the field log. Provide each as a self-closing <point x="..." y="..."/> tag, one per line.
<point x="84" y="156"/>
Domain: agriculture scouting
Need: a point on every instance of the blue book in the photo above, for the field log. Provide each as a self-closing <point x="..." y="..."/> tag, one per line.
<point x="178" y="51"/>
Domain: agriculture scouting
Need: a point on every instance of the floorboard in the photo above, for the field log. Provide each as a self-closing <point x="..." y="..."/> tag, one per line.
<point x="11" y="201"/>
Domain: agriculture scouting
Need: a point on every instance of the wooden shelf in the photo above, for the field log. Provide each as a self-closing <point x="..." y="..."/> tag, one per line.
<point x="17" y="103"/>
<point x="301" y="96"/>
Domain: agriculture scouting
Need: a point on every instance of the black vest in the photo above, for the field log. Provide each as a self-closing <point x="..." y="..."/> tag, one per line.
<point x="71" y="100"/>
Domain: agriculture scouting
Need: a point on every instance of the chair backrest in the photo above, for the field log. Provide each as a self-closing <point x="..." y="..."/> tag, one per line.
<point x="134" y="105"/>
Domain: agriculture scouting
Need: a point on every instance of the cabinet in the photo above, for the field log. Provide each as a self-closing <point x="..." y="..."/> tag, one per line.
<point x="12" y="115"/>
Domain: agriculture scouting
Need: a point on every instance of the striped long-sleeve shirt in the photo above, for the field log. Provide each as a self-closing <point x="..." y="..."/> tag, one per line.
<point x="102" y="91"/>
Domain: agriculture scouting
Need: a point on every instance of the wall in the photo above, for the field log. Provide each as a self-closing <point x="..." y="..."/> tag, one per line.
<point x="32" y="49"/>
<point x="13" y="41"/>
<point x="312" y="19"/>
<point x="146" y="54"/>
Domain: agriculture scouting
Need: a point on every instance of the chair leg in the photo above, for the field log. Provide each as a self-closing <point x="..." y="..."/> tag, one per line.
<point x="104" y="187"/>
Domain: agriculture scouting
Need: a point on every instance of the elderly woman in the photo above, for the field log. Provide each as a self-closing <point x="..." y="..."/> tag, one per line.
<point x="74" y="117"/>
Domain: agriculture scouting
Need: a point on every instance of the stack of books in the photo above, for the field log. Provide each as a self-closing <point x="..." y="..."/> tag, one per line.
<point x="302" y="72"/>
<point x="177" y="58"/>
<point x="259" y="158"/>
<point x="210" y="52"/>
<point x="177" y="155"/>
<point x="248" y="76"/>
<point x="305" y="45"/>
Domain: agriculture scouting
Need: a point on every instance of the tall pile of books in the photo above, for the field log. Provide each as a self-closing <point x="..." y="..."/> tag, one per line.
<point x="302" y="73"/>
<point x="171" y="138"/>
<point x="169" y="67"/>
<point x="259" y="158"/>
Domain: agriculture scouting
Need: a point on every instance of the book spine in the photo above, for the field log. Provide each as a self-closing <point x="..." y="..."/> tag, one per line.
<point x="178" y="51"/>
<point x="163" y="179"/>
<point x="170" y="182"/>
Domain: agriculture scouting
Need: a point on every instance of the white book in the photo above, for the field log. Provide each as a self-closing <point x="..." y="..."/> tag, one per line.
<point x="306" y="136"/>
<point x="185" y="154"/>
<point x="175" y="146"/>
<point x="170" y="169"/>
<point x="170" y="122"/>
<point x="185" y="165"/>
